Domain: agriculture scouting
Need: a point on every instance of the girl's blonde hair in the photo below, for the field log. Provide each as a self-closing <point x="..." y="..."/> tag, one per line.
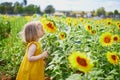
<point x="31" y="31"/>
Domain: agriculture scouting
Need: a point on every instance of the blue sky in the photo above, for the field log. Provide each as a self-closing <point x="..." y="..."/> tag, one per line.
<point x="75" y="5"/>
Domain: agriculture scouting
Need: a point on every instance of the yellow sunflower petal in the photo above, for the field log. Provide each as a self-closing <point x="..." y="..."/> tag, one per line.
<point x="49" y="26"/>
<point x="106" y="39"/>
<point x="80" y="61"/>
<point x="112" y="57"/>
<point x="62" y="35"/>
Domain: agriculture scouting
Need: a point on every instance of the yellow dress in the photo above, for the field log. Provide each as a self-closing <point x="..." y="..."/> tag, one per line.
<point x="31" y="70"/>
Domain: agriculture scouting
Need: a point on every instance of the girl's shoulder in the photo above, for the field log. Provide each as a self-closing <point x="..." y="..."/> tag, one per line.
<point x="33" y="42"/>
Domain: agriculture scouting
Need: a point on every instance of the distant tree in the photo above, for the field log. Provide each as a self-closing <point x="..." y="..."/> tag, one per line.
<point x="116" y="12"/>
<point x="18" y="8"/>
<point x="31" y="9"/>
<point x="93" y="13"/>
<point x="110" y="14"/>
<point x="2" y="9"/>
<point x="25" y="2"/>
<point x="6" y="8"/>
<point x="101" y="11"/>
<point x="37" y="9"/>
<point x="82" y="14"/>
<point x="49" y="9"/>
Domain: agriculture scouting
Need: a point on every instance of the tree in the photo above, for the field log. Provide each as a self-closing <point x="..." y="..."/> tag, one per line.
<point x="31" y="9"/>
<point x="110" y="14"/>
<point x="25" y="2"/>
<point x="49" y="9"/>
<point x="18" y="8"/>
<point x="6" y="8"/>
<point x="101" y="11"/>
<point x="116" y="12"/>
<point x="93" y="13"/>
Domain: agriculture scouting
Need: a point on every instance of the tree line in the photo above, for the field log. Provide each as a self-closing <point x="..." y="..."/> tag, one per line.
<point x="22" y="8"/>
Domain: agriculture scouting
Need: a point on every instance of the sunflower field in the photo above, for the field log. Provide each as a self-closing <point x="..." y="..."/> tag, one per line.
<point x="79" y="48"/>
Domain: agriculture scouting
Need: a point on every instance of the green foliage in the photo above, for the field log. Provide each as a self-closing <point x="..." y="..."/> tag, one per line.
<point x="5" y="28"/>
<point x="77" y="39"/>
<point x="74" y="77"/>
<point x="12" y="49"/>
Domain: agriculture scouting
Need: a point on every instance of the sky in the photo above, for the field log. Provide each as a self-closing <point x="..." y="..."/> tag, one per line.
<point x="74" y="5"/>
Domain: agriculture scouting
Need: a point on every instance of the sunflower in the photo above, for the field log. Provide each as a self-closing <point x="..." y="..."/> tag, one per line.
<point x="106" y="39"/>
<point x="62" y="35"/>
<point x="88" y="27"/>
<point x="80" y="61"/>
<point x="50" y="27"/>
<point x="116" y="38"/>
<point x="108" y="21"/>
<point x="69" y="20"/>
<point x="75" y="22"/>
<point x="92" y="31"/>
<point x="112" y="57"/>
<point x="81" y="20"/>
<point x="117" y="23"/>
<point x="118" y="26"/>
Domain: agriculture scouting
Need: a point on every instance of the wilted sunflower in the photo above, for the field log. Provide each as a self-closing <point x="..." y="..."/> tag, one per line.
<point x="50" y="27"/>
<point x="106" y="39"/>
<point x="80" y="61"/>
<point x="112" y="57"/>
<point x="116" y="38"/>
<point x="62" y="35"/>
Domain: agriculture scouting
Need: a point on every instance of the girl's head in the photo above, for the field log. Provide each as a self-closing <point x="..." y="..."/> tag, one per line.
<point x="33" y="31"/>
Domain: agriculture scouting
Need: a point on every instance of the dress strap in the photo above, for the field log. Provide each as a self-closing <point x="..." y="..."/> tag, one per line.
<point x="33" y="42"/>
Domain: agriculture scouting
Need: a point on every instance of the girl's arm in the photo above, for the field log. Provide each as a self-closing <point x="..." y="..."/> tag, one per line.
<point x="31" y="52"/>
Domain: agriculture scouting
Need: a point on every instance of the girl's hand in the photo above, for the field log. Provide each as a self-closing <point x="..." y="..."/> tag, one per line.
<point x="45" y="54"/>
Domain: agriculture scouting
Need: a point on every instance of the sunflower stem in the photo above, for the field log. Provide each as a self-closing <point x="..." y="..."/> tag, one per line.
<point x="86" y="76"/>
<point x="119" y="68"/>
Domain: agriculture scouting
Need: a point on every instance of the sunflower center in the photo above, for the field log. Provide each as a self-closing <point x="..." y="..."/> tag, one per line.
<point x="107" y="39"/>
<point x="89" y="27"/>
<point x="113" y="57"/>
<point x="115" y="39"/>
<point x="50" y="25"/>
<point x="81" y="61"/>
<point x="62" y="35"/>
<point x="93" y="32"/>
<point x="108" y="23"/>
<point x="119" y="26"/>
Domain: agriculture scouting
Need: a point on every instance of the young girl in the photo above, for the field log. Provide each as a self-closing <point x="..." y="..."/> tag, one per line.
<point x="32" y="65"/>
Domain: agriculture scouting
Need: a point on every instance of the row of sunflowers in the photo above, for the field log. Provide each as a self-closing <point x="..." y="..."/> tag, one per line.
<point x="83" y="48"/>
<point x="79" y="49"/>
